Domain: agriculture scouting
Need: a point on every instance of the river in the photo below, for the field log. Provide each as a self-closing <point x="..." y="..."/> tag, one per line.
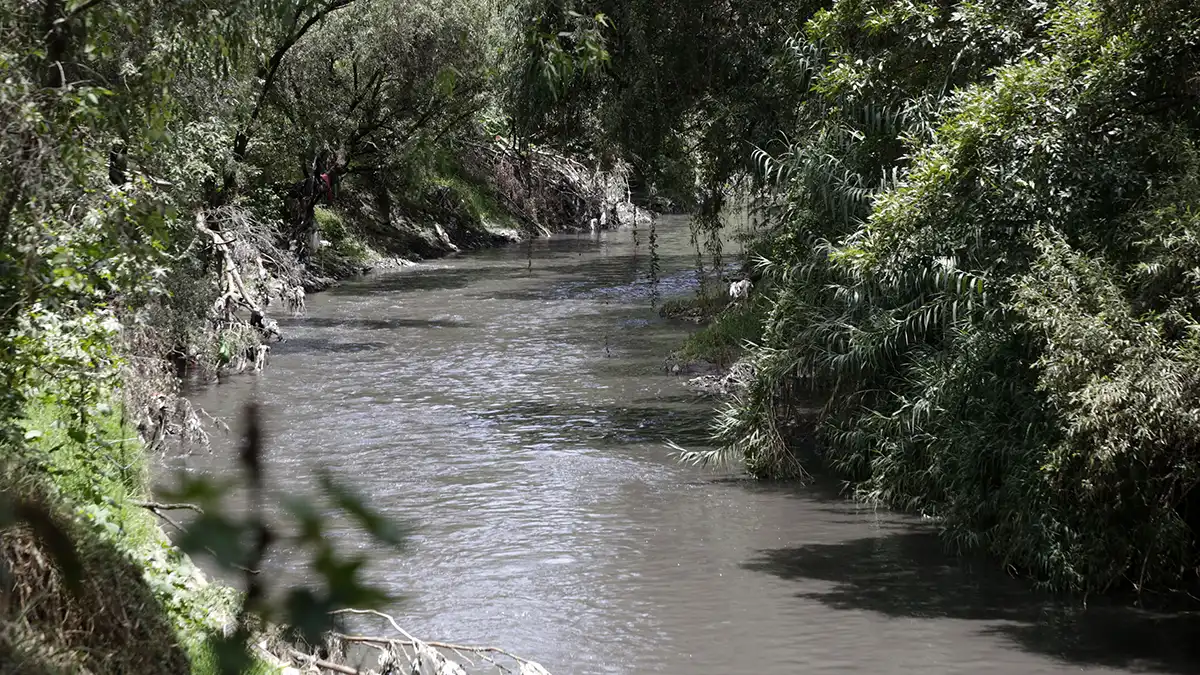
<point x="513" y="405"/>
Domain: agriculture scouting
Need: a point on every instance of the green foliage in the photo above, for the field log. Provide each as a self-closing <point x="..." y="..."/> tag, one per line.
<point x="481" y="203"/>
<point x="345" y="255"/>
<point x="205" y="661"/>
<point x="725" y="338"/>
<point x="686" y="88"/>
<point x="79" y="618"/>
<point x="121" y="123"/>
<point x="980" y="251"/>
<point x="559" y="52"/>
<point x="970" y="262"/>
<point x="240" y="544"/>
<point x="102" y="475"/>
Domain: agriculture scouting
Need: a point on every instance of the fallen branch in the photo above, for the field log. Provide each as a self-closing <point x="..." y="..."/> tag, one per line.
<point x="233" y="287"/>
<point x="155" y="506"/>
<point x="468" y="649"/>
<point x="320" y="663"/>
<point x="157" y="509"/>
<point x="233" y="278"/>
<point x="170" y="521"/>
<point x="426" y="651"/>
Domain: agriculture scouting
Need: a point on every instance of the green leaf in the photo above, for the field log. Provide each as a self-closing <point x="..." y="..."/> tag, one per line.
<point x="307" y="517"/>
<point x="308" y="614"/>
<point x="218" y="536"/>
<point x="378" y="526"/>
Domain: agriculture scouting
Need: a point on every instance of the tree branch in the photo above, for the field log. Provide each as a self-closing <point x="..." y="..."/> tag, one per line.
<point x="242" y="141"/>
<point x="83" y="8"/>
<point x="321" y="663"/>
<point x="155" y="506"/>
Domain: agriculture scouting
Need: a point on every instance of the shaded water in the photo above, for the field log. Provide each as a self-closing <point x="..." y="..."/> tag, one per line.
<point x="513" y="403"/>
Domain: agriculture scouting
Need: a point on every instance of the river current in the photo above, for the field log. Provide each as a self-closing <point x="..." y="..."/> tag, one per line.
<point x="513" y="406"/>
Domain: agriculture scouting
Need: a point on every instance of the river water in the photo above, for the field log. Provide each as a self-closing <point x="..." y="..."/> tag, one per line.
<point x="513" y="405"/>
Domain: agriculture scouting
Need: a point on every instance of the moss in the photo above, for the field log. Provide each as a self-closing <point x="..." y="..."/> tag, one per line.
<point x="106" y="466"/>
<point x="204" y="661"/>
<point x="480" y="202"/>
<point x="694" y="308"/>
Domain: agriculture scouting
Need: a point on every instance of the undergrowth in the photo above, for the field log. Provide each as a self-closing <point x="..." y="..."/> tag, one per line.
<point x="481" y="200"/>
<point x="728" y="328"/>
<point x="93" y="475"/>
<point x="345" y="254"/>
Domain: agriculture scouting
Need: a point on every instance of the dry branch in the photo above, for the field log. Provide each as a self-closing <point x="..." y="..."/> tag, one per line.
<point x="552" y="191"/>
<point x="425" y="657"/>
<point x="233" y="287"/>
<point x="321" y="663"/>
<point x="467" y="649"/>
<point x="158" y="510"/>
<point x="233" y="279"/>
<point x="156" y="506"/>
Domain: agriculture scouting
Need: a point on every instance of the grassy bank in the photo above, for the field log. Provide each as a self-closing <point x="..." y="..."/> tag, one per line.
<point x="114" y="595"/>
<point x="725" y="328"/>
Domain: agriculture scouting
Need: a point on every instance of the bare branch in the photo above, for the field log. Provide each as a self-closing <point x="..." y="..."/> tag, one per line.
<point x="410" y="641"/>
<point x="155" y="506"/>
<point x="320" y="663"/>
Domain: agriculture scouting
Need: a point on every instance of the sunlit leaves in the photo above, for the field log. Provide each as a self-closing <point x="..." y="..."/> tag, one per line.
<point x="971" y="262"/>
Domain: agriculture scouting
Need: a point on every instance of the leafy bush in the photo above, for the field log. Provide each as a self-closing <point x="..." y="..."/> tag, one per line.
<point x="980" y="242"/>
<point x="971" y="263"/>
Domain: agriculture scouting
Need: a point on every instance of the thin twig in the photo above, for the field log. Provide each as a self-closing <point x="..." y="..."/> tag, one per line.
<point x="157" y="509"/>
<point x="377" y="613"/>
<point x="413" y="642"/>
<point x="168" y="519"/>
<point x="154" y="506"/>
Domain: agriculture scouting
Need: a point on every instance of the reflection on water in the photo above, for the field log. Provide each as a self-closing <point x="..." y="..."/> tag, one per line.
<point x="514" y="404"/>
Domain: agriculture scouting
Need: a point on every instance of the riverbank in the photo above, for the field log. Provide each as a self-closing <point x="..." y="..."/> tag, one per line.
<point x="711" y="356"/>
<point x="517" y="414"/>
<point x="158" y="220"/>
<point x="87" y="436"/>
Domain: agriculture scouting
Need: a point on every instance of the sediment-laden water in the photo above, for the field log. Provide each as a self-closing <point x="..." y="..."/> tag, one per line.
<point x="513" y="404"/>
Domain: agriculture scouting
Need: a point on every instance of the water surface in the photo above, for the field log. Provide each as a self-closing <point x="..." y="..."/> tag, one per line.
<point x="513" y="403"/>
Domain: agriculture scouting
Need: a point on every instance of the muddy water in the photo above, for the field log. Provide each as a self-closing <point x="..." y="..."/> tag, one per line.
<point x="513" y="405"/>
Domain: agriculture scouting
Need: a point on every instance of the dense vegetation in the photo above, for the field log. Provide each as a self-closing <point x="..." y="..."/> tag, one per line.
<point x="975" y="232"/>
<point x="981" y="258"/>
<point x="995" y="278"/>
<point x="172" y="174"/>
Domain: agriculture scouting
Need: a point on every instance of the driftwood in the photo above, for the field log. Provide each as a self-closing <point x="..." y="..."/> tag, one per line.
<point x="233" y="289"/>
<point x="300" y="657"/>
<point x="295" y="300"/>
<point x="740" y="290"/>
<point x="156" y="506"/>
<point x="405" y="653"/>
<point x="245" y="282"/>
